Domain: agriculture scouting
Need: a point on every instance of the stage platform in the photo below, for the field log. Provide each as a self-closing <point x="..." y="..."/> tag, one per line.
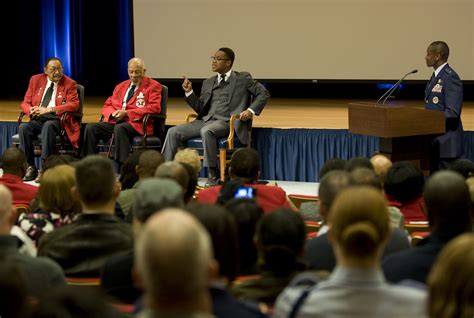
<point x="279" y="113"/>
<point x="293" y="137"/>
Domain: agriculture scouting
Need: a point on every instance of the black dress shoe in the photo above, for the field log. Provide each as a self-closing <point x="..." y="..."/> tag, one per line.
<point x="212" y="181"/>
<point x="31" y="174"/>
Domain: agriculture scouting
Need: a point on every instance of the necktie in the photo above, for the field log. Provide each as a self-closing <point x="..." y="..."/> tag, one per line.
<point x="130" y="93"/>
<point x="222" y="83"/>
<point x="48" y="95"/>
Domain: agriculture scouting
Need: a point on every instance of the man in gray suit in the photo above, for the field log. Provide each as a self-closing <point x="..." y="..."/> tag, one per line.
<point x="223" y="95"/>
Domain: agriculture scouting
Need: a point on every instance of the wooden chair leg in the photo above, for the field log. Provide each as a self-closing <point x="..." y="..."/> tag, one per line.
<point x="222" y="161"/>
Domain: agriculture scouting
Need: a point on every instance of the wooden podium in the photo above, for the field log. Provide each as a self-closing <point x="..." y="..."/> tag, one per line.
<point x="404" y="132"/>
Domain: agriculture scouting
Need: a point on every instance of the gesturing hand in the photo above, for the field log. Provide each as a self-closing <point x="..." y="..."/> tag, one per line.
<point x="187" y="85"/>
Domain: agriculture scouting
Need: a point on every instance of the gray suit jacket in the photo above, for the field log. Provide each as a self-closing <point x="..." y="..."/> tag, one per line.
<point x="245" y="93"/>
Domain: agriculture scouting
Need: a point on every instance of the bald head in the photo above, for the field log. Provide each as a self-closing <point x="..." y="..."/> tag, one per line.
<point x="136" y="61"/>
<point x="5" y="201"/>
<point x="173" y="170"/>
<point x="173" y="256"/>
<point x="448" y="202"/>
<point x="381" y="165"/>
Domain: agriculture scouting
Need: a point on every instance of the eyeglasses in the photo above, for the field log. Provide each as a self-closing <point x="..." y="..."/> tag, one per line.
<point x="213" y="58"/>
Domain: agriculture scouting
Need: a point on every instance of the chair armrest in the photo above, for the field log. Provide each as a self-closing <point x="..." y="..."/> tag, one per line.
<point x="230" y="138"/>
<point x="189" y="116"/>
<point x="147" y="117"/>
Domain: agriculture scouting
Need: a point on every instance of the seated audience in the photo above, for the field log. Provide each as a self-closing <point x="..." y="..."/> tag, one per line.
<point x="151" y="196"/>
<point x="448" y="204"/>
<point x="174" y="171"/>
<point x="14" y="302"/>
<point x="223" y="232"/>
<point x="368" y="177"/>
<point x="82" y="247"/>
<point x="318" y="251"/>
<point x="14" y="169"/>
<point x="189" y="194"/>
<point x="57" y="206"/>
<point x="245" y="166"/>
<point x="404" y="183"/>
<point x="310" y="210"/>
<point x="191" y="157"/>
<point x="247" y="214"/>
<point x="450" y="283"/>
<point x="144" y="168"/>
<point x="174" y="263"/>
<point x="358" y="162"/>
<point x="68" y="302"/>
<point x="464" y="166"/>
<point x="280" y="238"/>
<point x="41" y="274"/>
<point x="381" y="165"/>
<point x="356" y="288"/>
<point x="128" y="171"/>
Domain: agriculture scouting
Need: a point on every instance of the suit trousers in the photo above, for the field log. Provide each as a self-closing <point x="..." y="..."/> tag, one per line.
<point x="210" y="131"/>
<point x="48" y="127"/>
<point x="123" y="135"/>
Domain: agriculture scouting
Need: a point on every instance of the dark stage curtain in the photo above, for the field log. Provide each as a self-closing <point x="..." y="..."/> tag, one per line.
<point x="93" y="38"/>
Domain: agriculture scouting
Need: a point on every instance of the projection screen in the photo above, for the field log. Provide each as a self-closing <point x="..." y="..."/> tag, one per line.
<point x="303" y="39"/>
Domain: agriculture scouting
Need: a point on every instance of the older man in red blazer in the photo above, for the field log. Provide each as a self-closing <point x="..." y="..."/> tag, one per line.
<point x="49" y="95"/>
<point x="123" y="112"/>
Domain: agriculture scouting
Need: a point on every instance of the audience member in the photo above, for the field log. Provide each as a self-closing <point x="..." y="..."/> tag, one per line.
<point x="358" y="162"/>
<point x="318" y="251"/>
<point x="280" y="238"/>
<point x="144" y="167"/>
<point x="14" y="169"/>
<point x="404" y="183"/>
<point x="57" y="206"/>
<point x="356" y="288"/>
<point x="244" y="171"/>
<point x="152" y="195"/>
<point x="74" y="303"/>
<point x="174" y="171"/>
<point x="174" y="263"/>
<point x="191" y="157"/>
<point x="310" y="210"/>
<point x="368" y="177"/>
<point x="229" y="93"/>
<point x="41" y="274"/>
<point x="381" y="165"/>
<point x="222" y="229"/>
<point x="53" y="161"/>
<point x="451" y="286"/>
<point x="464" y="166"/>
<point x="247" y="214"/>
<point x="48" y="97"/>
<point x="14" y="302"/>
<point x="190" y="192"/>
<point x="128" y="171"/>
<point x="123" y="112"/>
<point x="448" y="203"/>
<point x="82" y="247"/>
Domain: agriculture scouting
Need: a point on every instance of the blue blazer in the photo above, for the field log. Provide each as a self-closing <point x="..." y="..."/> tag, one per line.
<point x="445" y="93"/>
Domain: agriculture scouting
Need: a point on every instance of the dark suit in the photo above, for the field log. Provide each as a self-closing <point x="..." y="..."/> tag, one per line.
<point x="319" y="254"/>
<point x="415" y="263"/>
<point x="212" y="127"/>
<point x="445" y="93"/>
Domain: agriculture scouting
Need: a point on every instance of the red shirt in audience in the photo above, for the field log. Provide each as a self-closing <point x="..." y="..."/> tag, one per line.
<point x="22" y="192"/>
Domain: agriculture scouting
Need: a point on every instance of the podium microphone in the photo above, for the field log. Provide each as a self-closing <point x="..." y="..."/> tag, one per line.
<point x="389" y="93"/>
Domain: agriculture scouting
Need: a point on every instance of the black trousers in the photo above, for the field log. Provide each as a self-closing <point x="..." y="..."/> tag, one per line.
<point x="46" y="126"/>
<point x="123" y="135"/>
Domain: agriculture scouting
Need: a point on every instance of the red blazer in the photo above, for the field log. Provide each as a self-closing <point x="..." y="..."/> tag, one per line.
<point x="22" y="193"/>
<point x="268" y="197"/>
<point x="146" y="100"/>
<point x="66" y="101"/>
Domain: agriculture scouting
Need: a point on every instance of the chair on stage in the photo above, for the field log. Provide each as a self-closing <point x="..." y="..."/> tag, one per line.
<point x="298" y="199"/>
<point x="146" y="141"/>
<point x="226" y="145"/>
<point x="63" y="145"/>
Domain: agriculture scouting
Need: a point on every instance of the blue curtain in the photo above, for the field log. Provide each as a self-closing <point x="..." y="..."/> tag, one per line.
<point x="298" y="154"/>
